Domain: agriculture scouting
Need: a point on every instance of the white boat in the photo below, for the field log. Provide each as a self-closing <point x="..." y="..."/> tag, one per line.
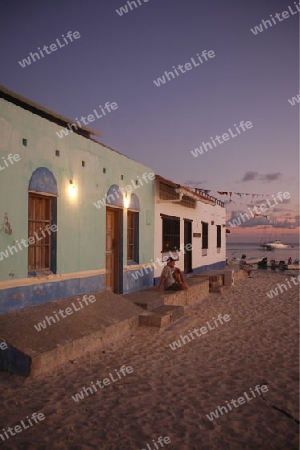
<point x="275" y="245"/>
<point x="236" y="261"/>
<point x="253" y="260"/>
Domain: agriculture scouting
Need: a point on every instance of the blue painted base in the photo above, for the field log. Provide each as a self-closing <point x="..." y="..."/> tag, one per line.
<point x="216" y="266"/>
<point x="221" y="265"/>
<point x="24" y="296"/>
<point x="143" y="278"/>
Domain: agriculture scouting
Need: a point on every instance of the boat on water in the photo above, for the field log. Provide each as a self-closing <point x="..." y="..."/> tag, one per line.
<point x="273" y="243"/>
<point x="277" y="244"/>
<point x="254" y="260"/>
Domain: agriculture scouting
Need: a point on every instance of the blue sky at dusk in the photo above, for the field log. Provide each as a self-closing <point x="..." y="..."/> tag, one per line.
<point x="117" y="58"/>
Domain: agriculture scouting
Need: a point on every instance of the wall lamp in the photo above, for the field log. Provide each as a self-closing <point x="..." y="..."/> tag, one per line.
<point x="126" y="201"/>
<point x="72" y="189"/>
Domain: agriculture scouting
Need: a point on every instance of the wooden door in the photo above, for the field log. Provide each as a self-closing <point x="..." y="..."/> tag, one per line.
<point x="39" y="217"/>
<point x="188" y="240"/>
<point x="112" y="250"/>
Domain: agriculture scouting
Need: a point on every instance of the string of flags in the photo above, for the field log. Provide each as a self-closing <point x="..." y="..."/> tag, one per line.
<point x="239" y="194"/>
<point x="260" y="215"/>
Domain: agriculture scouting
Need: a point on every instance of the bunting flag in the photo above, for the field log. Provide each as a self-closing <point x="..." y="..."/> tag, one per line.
<point x="260" y="215"/>
<point x="230" y="194"/>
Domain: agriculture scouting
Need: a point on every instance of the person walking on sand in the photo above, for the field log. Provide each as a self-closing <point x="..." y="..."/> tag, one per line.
<point x="172" y="278"/>
<point x="246" y="267"/>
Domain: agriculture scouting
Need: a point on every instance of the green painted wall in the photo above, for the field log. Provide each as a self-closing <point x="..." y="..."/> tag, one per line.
<point x="81" y="226"/>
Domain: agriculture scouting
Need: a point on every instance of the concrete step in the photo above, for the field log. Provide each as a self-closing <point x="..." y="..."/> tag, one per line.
<point x="162" y="316"/>
<point x="148" y="299"/>
<point x="215" y="284"/>
<point x="92" y="327"/>
<point x="225" y="277"/>
<point x="218" y="289"/>
<point x="216" y="279"/>
<point x="150" y="304"/>
<point x="198" y="289"/>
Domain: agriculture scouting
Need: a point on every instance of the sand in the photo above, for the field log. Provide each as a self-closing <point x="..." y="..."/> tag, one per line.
<point x="169" y="393"/>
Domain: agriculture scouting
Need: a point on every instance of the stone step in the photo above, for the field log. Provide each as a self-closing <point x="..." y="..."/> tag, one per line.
<point x="215" y="284"/>
<point x="93" y="327"/>
<point x="162" y="316"/>
<point x="222" y="277"/>
<point x="216" y="279"/>
<point x="148" y="299"/>
<point x="218" y="289"/>
<point x="198" y="289"/>
<point x="150" y="304"/>
<point x="151" y="299"/>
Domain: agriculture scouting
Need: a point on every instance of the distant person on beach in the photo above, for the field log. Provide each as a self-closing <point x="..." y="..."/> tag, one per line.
<point x="290" y="260"/>
<point x="171" y="278"/>
<point x="245" y="266"/>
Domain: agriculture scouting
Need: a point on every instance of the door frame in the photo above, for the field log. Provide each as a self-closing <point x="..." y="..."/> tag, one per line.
<point x="187" y="239"/>
<point x="118" y="269"/>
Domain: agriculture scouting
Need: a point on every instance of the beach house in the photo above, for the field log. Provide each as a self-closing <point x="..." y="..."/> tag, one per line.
<point x="75" y="215"/>
<point x="189" y="226"/>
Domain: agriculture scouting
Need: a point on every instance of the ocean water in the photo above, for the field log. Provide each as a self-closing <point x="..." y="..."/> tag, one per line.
<point x="254" y="251"/>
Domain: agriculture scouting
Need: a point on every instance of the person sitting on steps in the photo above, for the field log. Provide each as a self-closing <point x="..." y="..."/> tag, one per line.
<point x="172" y="278"/>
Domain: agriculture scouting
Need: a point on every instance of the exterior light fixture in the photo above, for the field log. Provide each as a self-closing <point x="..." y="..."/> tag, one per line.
<point x="126" y="201"/>
<point x="72" y="189"/>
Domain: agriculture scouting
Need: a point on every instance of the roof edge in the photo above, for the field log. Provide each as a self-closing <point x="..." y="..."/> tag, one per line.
<point x="40" y="110"/>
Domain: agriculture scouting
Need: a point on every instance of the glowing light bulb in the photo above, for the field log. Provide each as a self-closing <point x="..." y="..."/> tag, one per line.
<point x="126" y="201"/>
<point x="72" y="190"/>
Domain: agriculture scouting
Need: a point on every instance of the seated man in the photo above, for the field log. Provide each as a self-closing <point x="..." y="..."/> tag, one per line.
<point x="244" y="266"/>
<point x="172" y="278"/>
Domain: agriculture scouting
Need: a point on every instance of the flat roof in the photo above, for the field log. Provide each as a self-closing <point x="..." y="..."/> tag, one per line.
<point x="188" y="192"/>
<point x="40" y="110"/>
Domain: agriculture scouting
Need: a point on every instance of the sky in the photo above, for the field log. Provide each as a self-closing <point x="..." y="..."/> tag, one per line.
<point x="117" y="58"/>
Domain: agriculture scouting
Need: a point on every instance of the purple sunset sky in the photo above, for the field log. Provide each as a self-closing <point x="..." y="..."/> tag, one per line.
<point x="117" y="58"/>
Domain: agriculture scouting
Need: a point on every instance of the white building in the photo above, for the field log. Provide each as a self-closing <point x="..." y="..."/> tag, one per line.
<point x="191" y="226"/>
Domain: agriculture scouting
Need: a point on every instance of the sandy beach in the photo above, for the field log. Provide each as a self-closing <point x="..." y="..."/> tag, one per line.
<point x="171" y="392"/>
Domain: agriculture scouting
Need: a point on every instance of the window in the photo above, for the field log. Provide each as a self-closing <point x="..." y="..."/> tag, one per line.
<point x="218" y="236"/>
<point x="204" y="235"/>
<point x="39" y="221"/>
<point x="170" y="233"/>
<point x="188" y="202"/>
<point x="166" y="192"/>
<point x="133" y="236"/>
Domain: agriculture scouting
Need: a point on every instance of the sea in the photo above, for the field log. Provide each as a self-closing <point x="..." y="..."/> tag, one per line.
<point x="236" y="250"/>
